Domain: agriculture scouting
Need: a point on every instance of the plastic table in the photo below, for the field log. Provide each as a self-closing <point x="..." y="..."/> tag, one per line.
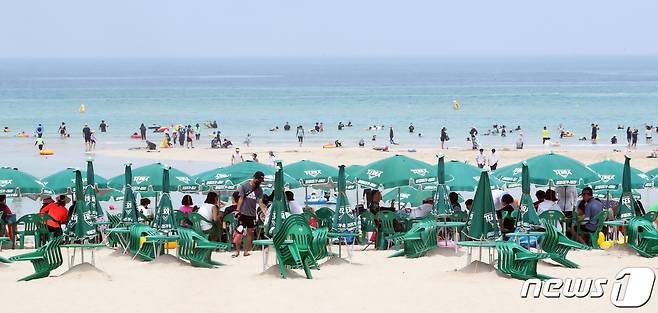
<point x="82" y="247"/>
<point x="122" y="233"/>
<point x="157" y="239"/>
<point x="616" y="224"/>
<point x="445" y="225"/>
<point x="340" y="236"/>
<point x="266" y="244"/>
<point x="478" y="244"/>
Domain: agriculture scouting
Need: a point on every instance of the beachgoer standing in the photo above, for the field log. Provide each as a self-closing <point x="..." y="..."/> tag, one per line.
<point x="197" y="131"/>
<point x="545" y="136"/>
<point x="474" y="140"/>
<point x="286" y="127"/>
<point x="92" y="140"/>
<point x="39" y="142"/>
<point x="254" y="157"/>
<point x="648" y="134"/>
<point x="251" y="197"/>
<point x="142" y="130"/>
<point x="190" y="137"/>
<point x="62" y="130"/>
<point x="634" y="135"/>
<point x="519" y="140"/>
<point x="103" y="126"/>
<point x="236" y="157"/>
<point x="39" y="131"/>
<point x="444" y="137"/>
<point x="629" y="136"/>
<point x="595" y="129"/>
<point x="300" y="135"/>
<point x="272" y="159"/>
<point x="481" y="159"/>
<point x="493" y="160"/>
<point x="86" y="133"/>
<point x="391" y="135"/>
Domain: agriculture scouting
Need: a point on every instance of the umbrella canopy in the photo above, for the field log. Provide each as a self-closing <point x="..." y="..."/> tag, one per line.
<point x="129" y="213"/>
<point x="310" y="173"/>
<point x="441" y="202"/>
<point x="91" y="200"/>
<point x="550" y="169"/>
<point x="482" y="222"/>
<point x="353" y="170"/>
<point x="344" y="219"/>
<point x="228" y="178"/>
<point x="64" y="181"/>
<point x="526" y="215"/>
<point x="81" y="224"/>
<point x="654" y="173"/>
<point x="149" y="177"/>
<point x="614" y="193"/>
<point x="164" y="219"/>
<point x="14" y="183"/>
<point x="627" y="204"/>
<point x="396" y="171"/>
<point x="408" y="196"/>
<point x="611" y="173"/>
<point x="280" y="203"/>
<point x="465" y="177"/>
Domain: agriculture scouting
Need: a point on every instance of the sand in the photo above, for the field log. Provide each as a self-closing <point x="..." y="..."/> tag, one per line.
<point x="362" y="156"/>
<point x="377" y="284"/>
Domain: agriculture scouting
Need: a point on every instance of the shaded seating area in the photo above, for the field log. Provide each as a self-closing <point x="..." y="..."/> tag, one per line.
<point x="293" y="245"/>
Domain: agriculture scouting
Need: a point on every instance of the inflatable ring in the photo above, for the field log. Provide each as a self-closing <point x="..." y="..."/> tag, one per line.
<point x="568" y="134"/>
<point x="329" y="146"/>
<point x="47" y="152"/>
<point x="136" y="136"/>
<point x="23" y="135"/>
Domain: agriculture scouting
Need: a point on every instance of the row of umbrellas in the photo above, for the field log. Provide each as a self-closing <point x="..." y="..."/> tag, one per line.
<point x="551" y="169"/>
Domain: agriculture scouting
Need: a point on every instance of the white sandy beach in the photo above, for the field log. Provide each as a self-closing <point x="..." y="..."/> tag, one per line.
<point x="372" y="283"/>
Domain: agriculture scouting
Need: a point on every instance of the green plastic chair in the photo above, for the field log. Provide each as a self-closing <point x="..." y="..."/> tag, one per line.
<point x="651" y="216"/>
<point x="308" y="215"/>
<point x="115" y="221"/>
<point x="325" y="217"/>
<point x="518" y="262"/>
<point x="419" y="240"/>
<point x="44" y="260"/>
<point x="552" y="217"/>
<point x="643" y="237"/>
<point x="557" y="245"/>
<point x="298" y="253"/>
<point x="387" y="233"/>
<point x="197" y="220"/>
<point x="146" y="252"/>
<point x="319" y="246"/>
<point x="197" y="249"/>
<point x="367" y="225"/>
<point x="33" y="225"/>
<point x="179" y="216"/>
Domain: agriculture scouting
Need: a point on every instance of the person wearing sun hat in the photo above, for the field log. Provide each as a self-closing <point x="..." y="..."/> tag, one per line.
<point x="58" y="213"/>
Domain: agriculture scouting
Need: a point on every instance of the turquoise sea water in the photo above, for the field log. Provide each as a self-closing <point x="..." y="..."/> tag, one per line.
<point x="254" y="95"/>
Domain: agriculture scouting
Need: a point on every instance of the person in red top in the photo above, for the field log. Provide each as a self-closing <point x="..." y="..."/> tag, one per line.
<point x="6" y="215"/>
<point x="57" y="210"/>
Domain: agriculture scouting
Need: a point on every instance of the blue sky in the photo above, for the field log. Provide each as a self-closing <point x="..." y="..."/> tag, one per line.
<point x="205" y="28"/>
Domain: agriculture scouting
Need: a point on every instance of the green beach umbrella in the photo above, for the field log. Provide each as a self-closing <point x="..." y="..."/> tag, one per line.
<point x="627" y="204"/>
<point x="81" y="224"/>
<point x="526" y="215"/>
<point x="396" y="171"/>
<point x="614" y="194"/>
<point x="230" y="177"/>
<point x="352" y="171"/>
<point x="344" y="219"/>
<point x="164" y="219"/>
<point x="466" y="177"/>
<point x="149" y="178"/>
<point x="129" y="213"/>
<point x="482" y="222"/>
<point x="550" y="169"/>
<point x="64" y="181"/>
<point x="14" y="183"/>
<point x="310" y="173"/>
<point x="611" y="173"/>
<point x="279" y="203"/>
<point x="441" y="202"/>
<point x="654" y="173"/>
<point x="91" y="198"/>
<point x="408" y="196"/>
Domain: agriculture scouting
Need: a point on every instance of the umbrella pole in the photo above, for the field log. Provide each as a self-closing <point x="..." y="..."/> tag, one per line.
<point x="398" y="198"/>
<point x="305" y="196"/>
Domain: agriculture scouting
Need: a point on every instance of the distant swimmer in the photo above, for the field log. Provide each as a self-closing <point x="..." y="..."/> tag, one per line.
<point x="349" y="123"/>
<point x="411" y="128"/>
<point x="274" y="129"/>
<point x="103" y="126"/>
<point x="286" y="127"/>
<point x="455" y="105"/>
<point x="39" y="131"/>
<point x="6" y="129"/>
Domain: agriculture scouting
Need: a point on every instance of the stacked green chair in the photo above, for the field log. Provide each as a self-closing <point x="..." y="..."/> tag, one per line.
<point x="33" y="225"/>
<point x="419" y="240"/>
<point x="387" y="233"/>
<point x="557" y="245"/>
<point x="179" y="216"/>
<point x="594" y="236"/>
<point x="642" y="237"/>
<point x="146" y="252"/>
<point x="3" y="239"/>
<point x="197" y="220"/>
<point x="459" y="216"/>
<point x="197" y="249"/>
<point x="552" y="217"/>
<point x="45" y="259"/>
<point x="650" y="216"/>
<point x="115" y="221"/>
<point x="319" y="246"/>
<point x="325" y="217"/>
<point x="298" y="253"/>
<point x="518" y="262"/>
<point x="367" y="225"/>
